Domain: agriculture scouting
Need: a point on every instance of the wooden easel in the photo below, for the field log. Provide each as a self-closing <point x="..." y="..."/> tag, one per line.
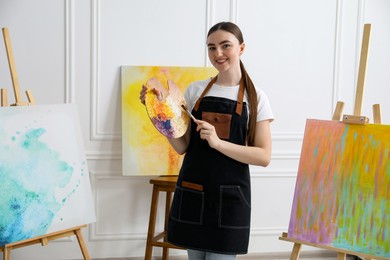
<point x="43" y="240"/>
<point x="356" y="118"/>
<point x="14" y="77"/>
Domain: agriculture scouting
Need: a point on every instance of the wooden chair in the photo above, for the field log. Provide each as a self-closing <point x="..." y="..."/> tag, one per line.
<point x="160" y="184"/>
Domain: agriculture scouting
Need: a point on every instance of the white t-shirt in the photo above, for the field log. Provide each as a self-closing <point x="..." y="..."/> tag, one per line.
<point x="195" y="89"/>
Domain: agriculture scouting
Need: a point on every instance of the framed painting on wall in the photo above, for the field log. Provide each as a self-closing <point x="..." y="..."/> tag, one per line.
<point x="145" y="151"/>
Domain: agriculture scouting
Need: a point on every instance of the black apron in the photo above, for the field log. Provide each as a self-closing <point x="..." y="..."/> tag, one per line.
<point x="211" y="207"/>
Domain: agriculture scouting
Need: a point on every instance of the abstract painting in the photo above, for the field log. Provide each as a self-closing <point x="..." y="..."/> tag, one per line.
<point x="342" y="193"/>
<point x="44" y="185"/>
<point x="145" y="151"/>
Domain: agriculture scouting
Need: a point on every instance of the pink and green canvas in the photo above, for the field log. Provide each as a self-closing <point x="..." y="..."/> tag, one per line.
<point x="342" y="193"/>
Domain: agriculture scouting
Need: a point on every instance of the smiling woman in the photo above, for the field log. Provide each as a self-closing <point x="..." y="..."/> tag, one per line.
<point x="211" y="208"/>
<point x="224" y="49"/>
<point x="227" y="105"/>
<point x="303" y="54"/>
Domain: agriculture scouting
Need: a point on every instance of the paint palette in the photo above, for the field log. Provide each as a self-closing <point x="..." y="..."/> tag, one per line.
<point x="164" y="108"/>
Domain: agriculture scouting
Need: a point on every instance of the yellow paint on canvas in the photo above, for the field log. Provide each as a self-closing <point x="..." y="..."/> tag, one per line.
<point x="145" y="150"/>
<point x="342" y="196"/>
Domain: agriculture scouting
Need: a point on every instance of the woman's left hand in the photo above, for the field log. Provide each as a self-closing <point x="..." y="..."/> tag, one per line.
<point x="207" y="132"/>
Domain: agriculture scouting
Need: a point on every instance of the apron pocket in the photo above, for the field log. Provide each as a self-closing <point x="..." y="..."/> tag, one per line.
<point x="235" y="210"/>
<point x="220" y="121"/>
<point x="187" y="206"/>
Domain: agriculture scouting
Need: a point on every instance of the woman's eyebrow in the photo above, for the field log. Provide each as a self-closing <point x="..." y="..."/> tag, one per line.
<point x="221" y="43"/>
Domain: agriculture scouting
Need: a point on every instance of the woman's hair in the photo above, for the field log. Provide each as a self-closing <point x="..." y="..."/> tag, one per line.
<point x="249" y="86"/>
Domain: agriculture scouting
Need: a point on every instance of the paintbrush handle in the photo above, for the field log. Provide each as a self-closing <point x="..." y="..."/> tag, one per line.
<point x="188" y="112"/>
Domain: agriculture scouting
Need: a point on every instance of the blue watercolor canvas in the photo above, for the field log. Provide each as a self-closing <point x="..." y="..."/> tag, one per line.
<point x="44" y="177"/>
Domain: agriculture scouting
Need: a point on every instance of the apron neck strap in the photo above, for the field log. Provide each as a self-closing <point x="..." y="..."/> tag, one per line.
<point x="213" y="80"/>
<point x="240" y="97"/>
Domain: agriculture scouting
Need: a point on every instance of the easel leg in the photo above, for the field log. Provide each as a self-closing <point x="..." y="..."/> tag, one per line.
<point x="338" y="111"/>
<point x="4" y="97"/>
<point x="377" y="114"/>
<point x="296" y="251"/>
<point x="12" y="67"/>
<point x="6" y="253"/>
<point x="30" y="97"/>
<point x="82" y="244"/>
<point x="341" y="256"/>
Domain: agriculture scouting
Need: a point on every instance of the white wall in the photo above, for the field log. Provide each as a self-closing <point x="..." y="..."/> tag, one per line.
<point x="303" y="53"/>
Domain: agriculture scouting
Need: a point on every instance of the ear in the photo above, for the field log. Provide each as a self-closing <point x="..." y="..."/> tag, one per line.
<point x="242" y="48"/>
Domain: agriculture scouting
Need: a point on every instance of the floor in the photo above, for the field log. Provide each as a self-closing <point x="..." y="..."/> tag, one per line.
<point x="276" y="256"/>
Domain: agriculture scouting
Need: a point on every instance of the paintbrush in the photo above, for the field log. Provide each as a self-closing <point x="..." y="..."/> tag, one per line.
<point x="188" y="112"/>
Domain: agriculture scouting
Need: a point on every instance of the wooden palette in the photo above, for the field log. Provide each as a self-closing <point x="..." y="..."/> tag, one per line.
<point x="163" y="105"/>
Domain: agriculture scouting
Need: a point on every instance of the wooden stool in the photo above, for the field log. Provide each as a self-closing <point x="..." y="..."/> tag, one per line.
<point x="160" y="184"/>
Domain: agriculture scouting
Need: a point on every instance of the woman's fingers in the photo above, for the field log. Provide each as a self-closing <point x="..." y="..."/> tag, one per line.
<point x="204" y="128"/>
<point x="142" y="94"/>
<point x="207" y="132"/>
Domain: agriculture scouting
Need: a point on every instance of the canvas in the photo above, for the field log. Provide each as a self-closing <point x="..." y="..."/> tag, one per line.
<point x="145" y="151"/>
<point x="342" y="193"/>
<point x="44" y="178"/>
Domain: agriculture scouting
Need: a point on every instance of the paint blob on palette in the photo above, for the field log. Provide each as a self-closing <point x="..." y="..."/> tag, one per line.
<point x="164" y="108"/>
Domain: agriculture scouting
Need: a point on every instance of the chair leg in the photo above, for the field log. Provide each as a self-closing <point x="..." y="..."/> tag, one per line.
<point x="152" y="223"/>
<point x="167" y="209"/>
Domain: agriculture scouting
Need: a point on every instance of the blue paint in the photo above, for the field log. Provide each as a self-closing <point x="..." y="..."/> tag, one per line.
<point x="343" y="137"/>
<point x="30" y="173"/>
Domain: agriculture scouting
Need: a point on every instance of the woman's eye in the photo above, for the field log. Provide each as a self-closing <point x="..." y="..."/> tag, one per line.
<point x="225" y="46"/>
<point x="211" y="48"/>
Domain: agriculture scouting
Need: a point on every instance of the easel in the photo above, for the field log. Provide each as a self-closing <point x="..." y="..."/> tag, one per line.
<point x="14" y="77"/>
<point x="356" y="118"/>
<point x="43" y="240"/>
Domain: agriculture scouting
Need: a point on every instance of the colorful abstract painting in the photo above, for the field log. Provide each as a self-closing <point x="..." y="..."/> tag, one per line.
<point x="342" y="193"/>
<point x="44" y="178"/>
<point x="145" y="151"/>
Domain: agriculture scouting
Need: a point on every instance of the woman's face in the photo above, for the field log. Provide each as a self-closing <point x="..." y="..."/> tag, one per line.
<point x="224" y="50"/>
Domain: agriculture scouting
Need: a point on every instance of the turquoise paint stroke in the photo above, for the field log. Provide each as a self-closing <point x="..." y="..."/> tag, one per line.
<point x="30" y="173"/>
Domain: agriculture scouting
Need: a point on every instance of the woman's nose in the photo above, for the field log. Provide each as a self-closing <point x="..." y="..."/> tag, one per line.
<point x="218" y="52"/>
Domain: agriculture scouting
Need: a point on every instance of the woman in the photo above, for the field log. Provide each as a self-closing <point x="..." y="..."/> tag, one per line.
<point x="210" y="213"/>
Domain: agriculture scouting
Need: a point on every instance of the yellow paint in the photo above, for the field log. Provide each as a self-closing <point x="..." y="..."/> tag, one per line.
<point x="145" y="150"/>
